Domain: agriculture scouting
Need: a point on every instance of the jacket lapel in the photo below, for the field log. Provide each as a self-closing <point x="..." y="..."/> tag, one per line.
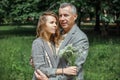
<point x="50" y="54"/>
<point x="69" y="37"/>
<point x="67" y="40"/>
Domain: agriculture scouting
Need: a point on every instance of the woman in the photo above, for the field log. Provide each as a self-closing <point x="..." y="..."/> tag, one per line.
<point x="44" y="48"/>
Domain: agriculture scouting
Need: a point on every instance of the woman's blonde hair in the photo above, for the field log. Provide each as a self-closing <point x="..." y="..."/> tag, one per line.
<point x="41" y="28"/>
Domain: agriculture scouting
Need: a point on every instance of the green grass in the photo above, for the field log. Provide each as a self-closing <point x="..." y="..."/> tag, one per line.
<point x="14" y="58"/>
<point x="102" y="63"/>
<point x="15" y="51"/>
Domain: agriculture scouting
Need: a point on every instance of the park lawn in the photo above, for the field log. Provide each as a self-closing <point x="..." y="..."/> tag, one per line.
<point x="14" y="58"/>
<point x="102" y="62"/>
<point x="15" y="51"/>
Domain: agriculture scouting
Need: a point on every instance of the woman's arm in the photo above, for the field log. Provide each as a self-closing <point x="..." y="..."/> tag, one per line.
<point x="39" y="60"/>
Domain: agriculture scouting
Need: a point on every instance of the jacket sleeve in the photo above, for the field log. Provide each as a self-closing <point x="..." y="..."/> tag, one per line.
<point x="82" y="46"/>
<point x="39" y="59"/>
<point x="58" y="77"/>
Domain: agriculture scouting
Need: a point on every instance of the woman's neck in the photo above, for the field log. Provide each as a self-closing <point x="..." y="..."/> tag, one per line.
<point x="48" y="37"/>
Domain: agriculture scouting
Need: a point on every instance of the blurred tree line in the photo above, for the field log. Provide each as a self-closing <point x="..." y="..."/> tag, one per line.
<point x="28" y="11"/>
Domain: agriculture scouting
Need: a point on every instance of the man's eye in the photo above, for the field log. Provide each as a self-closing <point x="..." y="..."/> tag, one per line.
<point x="66" y="15"/>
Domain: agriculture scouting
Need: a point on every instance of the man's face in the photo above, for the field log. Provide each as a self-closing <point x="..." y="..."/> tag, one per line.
<point x="66" y="18"/>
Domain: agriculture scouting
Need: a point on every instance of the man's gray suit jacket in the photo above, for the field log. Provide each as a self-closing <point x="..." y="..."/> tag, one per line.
<point x="79" y="40"/>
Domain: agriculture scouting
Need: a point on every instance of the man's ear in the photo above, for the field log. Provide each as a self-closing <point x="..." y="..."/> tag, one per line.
<point x="75" y="16"/>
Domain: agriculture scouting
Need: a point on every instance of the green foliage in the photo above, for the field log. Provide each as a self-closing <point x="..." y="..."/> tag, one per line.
<point x="14" y="55"/>
<point x="28" y="11"/>
<point x="14" y="58"/>
<point x="69" y="53"/>
<point x="108" y="18"/>
<point x="103" y="59"/>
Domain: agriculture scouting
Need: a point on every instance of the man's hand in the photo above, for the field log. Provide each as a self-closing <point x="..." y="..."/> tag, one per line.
<point x="72" y="70"/>
<point x="40" y="76"/>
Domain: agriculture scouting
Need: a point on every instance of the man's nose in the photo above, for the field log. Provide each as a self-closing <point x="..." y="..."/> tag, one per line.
<point x="62" y="18"/>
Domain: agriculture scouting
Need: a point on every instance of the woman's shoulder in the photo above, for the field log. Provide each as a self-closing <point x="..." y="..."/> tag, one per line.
<point x="37" y="44"/>
<point x="37" y="40"/>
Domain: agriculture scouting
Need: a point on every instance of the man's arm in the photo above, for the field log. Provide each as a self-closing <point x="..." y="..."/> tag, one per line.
<point x="82" y="48"/>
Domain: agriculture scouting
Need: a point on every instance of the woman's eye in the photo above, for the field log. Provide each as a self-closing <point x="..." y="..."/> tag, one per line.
<point x="52" y="22"/>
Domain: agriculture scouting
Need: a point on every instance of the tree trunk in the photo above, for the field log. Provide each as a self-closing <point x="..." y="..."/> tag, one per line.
<point x="79" y="17"/>
<point x="97" y="24"/>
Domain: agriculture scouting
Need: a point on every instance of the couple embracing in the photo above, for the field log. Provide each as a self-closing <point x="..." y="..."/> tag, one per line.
<point x="51" y="39"/>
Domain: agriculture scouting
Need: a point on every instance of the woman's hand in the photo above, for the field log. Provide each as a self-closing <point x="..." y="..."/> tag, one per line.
<point x="40" y="76"/>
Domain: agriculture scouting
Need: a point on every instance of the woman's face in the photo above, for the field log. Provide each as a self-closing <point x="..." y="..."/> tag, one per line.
<point x="51" y="24"/>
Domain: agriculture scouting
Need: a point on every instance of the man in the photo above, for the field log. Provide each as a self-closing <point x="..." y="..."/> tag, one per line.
<point x="73" y="35"/>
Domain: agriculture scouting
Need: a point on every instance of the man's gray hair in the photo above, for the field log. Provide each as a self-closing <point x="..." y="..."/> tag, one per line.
<point x="63" y="5"/>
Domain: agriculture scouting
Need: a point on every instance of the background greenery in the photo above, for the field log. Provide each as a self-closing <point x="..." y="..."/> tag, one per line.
<point x="28" y="11"/>
<point x="19" y="12"/>
<point x="103" y="61"/>
<point x="15" y="50"/>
